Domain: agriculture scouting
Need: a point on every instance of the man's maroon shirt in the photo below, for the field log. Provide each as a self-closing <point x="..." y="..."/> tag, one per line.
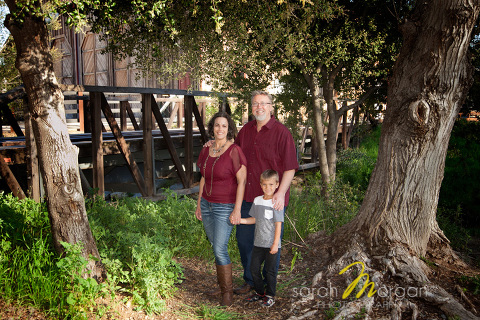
<point x="271" y="148"/>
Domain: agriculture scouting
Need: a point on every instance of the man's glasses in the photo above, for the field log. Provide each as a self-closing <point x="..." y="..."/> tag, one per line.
<point x="263" y="104"/>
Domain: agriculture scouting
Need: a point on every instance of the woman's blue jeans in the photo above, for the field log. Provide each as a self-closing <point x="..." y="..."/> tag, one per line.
<point x="216" y="222"/>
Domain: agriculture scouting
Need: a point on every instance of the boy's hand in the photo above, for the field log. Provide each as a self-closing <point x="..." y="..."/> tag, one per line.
<point x="274" y="249"/>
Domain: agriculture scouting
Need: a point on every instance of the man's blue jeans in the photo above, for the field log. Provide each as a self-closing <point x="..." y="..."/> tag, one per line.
<point x="216" y="222"/>
<point x="245" y="236"/>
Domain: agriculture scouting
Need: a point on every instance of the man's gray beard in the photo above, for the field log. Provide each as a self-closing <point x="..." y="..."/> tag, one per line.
<point x="260" y="118"/>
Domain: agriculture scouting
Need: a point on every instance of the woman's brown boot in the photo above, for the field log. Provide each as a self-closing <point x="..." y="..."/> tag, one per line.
<point x="224" y="276"/>
<point x="215" y="292"/>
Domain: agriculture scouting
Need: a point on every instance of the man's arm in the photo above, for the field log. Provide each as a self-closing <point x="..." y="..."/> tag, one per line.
<point x="279" y="196"/>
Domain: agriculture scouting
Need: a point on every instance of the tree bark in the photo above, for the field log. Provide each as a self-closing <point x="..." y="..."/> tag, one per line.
<point x="319" y="128"/>
<point x="345" y="131"/>
<point x="430" y="82"/>
<point x="57" y="156"/>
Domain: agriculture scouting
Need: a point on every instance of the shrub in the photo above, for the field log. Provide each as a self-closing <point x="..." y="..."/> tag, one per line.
<point x="462" y="172"/>
<point x="309" y="211"/>
<point x="138" y="239"/>
<point x="31" y="272"/>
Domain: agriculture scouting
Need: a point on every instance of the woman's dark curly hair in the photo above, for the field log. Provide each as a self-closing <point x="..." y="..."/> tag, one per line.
<point x="232" y="129"/>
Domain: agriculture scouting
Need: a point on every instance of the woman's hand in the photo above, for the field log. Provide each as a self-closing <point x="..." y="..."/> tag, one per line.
<point x="198" y="213"/>
<point x="235" y="217"/>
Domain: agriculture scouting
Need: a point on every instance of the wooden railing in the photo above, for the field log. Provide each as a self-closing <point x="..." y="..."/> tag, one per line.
<point x="96" y="116"/>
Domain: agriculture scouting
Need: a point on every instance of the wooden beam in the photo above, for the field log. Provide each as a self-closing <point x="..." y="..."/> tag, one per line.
<point x="122" y="145"/>
<point x="148" y="154"/>
<point x="189" y="105"/>
<point x="87" y="116"/>
<point x="123" y="115"/>
<point x="170" y="146"/>
<point x="132" y="116"/>
<point x="81" y="113"/>
<point x="174" y="112"/>
<point x="12" y="95"/>
<point x="307" y="166"/>
<point x="97" y="143"/>
<point x="180" y="115"/>
<point x="199" y="120"/>
<point x="84" y="182"/>
<point x="302" y="144"/>
<point x="10" y="178"/>
<point x="11" y="119"/>
<point x="159" y="91"/>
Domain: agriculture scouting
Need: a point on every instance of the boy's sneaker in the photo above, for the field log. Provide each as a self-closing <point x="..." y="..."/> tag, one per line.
<point x="268" y="301"/>
<point x="255" y="297"/>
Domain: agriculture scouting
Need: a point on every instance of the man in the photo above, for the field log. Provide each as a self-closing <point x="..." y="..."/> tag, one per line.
<point x="267" y="144"/>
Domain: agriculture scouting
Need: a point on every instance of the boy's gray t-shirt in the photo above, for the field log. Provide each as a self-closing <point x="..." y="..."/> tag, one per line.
<point x="265" y="218"/>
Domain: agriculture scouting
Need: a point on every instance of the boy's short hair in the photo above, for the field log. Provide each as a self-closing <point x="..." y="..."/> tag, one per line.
<point x="268" y="174"/>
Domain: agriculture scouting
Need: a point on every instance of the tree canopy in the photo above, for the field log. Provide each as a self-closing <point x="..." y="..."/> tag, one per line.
<point x="325" y="45"/>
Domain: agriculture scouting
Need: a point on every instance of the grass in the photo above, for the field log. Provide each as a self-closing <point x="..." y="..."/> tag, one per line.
<point x="215" y="313"/>
<point x="471" y="283"/>
<point x="308" y="211"/>
<point x="30" y="271"/>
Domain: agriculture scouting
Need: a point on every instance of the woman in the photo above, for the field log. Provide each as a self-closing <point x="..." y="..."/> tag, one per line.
<point x="223" y="169"/>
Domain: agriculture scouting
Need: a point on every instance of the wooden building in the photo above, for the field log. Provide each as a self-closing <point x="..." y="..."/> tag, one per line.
<point x="80" y="61"/>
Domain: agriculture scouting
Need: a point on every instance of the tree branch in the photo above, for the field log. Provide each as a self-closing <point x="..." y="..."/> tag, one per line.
<point x="362" y="99"/>
<point x="334" y="73"/>
<point x="309" y="77"/>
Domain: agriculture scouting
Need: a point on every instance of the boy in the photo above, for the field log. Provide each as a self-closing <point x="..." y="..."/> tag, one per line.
<point x="268" y="228"/>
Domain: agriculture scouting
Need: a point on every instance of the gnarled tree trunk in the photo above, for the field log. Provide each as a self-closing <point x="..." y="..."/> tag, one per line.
<point x="432" y="77"/>
<point x="396" y="224"/>
<point x="57" y="156"/>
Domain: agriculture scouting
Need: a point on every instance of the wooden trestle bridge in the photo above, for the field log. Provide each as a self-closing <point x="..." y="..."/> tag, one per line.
<point x="147" y="142"/>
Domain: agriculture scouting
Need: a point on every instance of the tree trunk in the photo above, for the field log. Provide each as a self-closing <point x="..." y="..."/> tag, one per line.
<point x="431" y="79"/>
<point x="354" y="125"/>
<point x="345" y="131"/>
<point x="58" y="157"/>
<point x="319" y="128"/>
<point x="332" y="131"/>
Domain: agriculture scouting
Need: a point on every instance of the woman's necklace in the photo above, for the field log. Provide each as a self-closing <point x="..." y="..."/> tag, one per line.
<point x="215" y="151"/>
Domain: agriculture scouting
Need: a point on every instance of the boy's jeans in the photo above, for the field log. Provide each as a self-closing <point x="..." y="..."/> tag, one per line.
<point x="259" y="255"/>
